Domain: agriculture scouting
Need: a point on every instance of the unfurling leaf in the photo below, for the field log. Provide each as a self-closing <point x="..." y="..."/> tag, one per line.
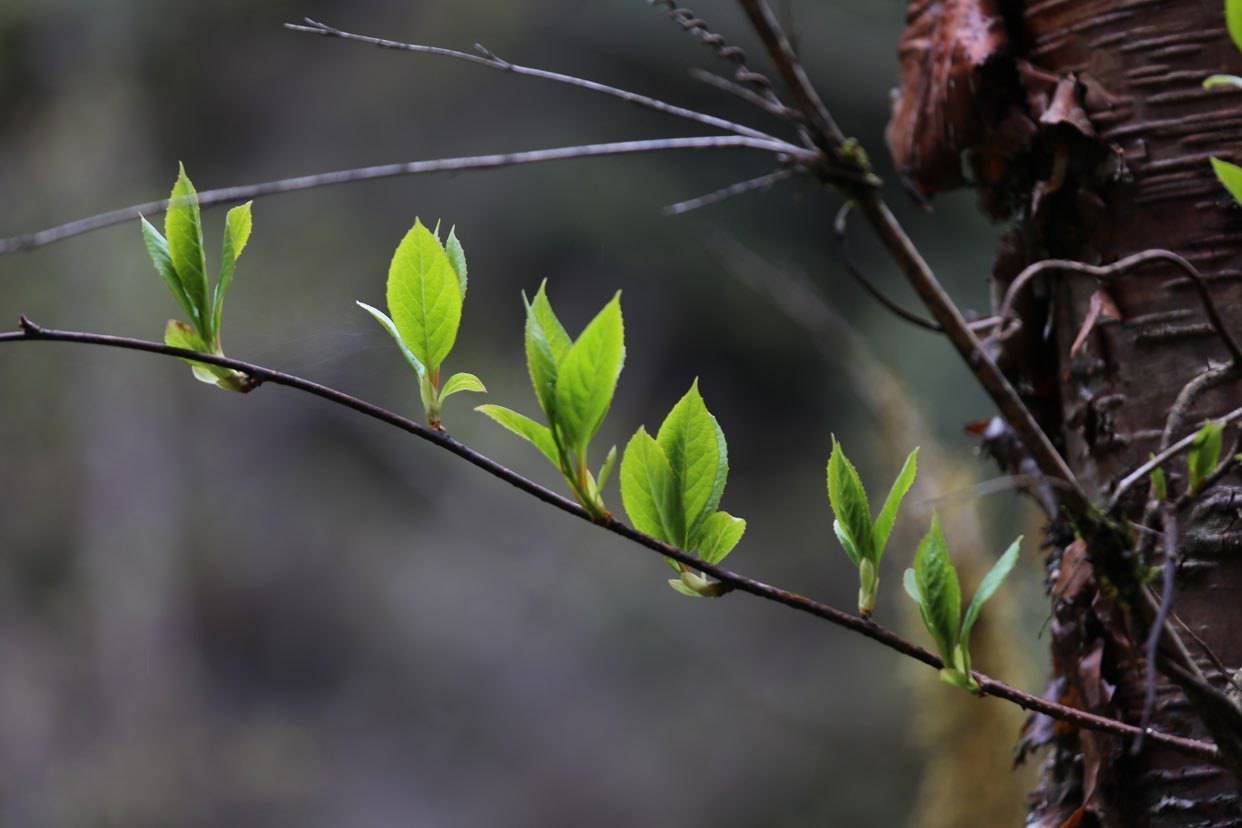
<point x="1231" y="176"/>
<point x="892" y="504"/>
<point x="462" y="382"/>
<point x="546" y="346"/>
<point x="237" y="226"/>
<point x="183" y="228"/>
<point x="1204" y="454"/>
<point x="849" y="503"/>
<point x="696" y="450"/>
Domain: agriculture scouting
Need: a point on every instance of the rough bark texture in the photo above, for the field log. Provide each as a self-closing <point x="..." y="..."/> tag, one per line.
<point x="1089" y="127"/>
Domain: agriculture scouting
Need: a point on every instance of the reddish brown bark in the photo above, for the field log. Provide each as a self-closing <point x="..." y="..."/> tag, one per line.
<point x="1089" y="126"/>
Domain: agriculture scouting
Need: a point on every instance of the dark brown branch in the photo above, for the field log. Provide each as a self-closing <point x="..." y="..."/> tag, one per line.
<point x="30" y="332"/>
<point x="486" y="58"/>
<point x="230" y="195"/>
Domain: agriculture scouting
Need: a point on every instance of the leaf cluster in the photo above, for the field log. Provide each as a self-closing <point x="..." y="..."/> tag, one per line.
<point x="425" y="293"/>
<point x="671" y="486"/>
<point x="180" y="260"/>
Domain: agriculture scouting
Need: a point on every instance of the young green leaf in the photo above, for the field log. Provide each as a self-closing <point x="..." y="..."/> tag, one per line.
<point x="391" y="327"/>
<point x="183" y="229"/>
<point x="1222" y="82"/>
<point x="849" y="503"/>
<point x="1231" y="176"/>
<point x="987" y="588"/>
<point x="237" y="226"/>
<point x="457" y="257"/>
<point x="1233" y="21"/>
<point x="424" y="296"/>
<point x="720" y="533"/>
<point x="157" y="249"/>
<point x="547" y="343"/>
<point x="587" y="378"/>
<point x="535" y="433"/>
<point x="605" y="471"/>
<point x="847" y="543"/>
<point x="1204" y="454"/>
<point x="695" y="447"/>
<point x="1159" y="485"/>
<point x="180" y="335"/>
<point x="938" y="587"/>
<point x="648" y="487"/>
<point x="461" y="382"/>
<point x="892" y="504"/>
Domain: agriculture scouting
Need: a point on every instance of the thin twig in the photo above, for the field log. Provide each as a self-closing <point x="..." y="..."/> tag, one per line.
<point x="726" y="193"/>
<point x="735" y="55"/>
<point x="1154" y="634"/>
<point x="486" y="58"/>
<point x="754" y="98"/>
<point x="841" y="232"/>
<point x="1161" y="458"/>
<point x="30" y="332"/>
<point x="1120" y="266"/>
<point x="230" y="195"/>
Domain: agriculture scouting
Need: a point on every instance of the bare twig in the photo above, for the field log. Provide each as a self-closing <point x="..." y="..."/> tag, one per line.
<point x="30" y="332"/>
<point x="231" y="195"/>
<point x="1121" y="266"/>
<point x="754" y="98"/>
<point x="486" y="58"/>
<point x="1191" y="392"/>
<point x="1157" y="629"/>
<point x="841" y="232"/>
<point x="726" y="193"/>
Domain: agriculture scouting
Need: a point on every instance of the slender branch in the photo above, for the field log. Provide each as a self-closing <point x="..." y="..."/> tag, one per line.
<point x="1121" y="266"/>
<point x="30" y="332"/>
<point x="754" y="98"/>
<point x="1161" y="458"/>
<point x="231" y="195"/>
<point x="486" y="58"/>
<point x="1152" y="645"/>
<point x="726" y="193"/>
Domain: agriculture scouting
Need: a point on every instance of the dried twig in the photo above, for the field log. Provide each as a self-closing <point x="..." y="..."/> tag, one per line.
<point x="30" y="332"/>
<point x="725" y="193"/>
<point x="231" y="195"/>
<point x="486" y="58"/>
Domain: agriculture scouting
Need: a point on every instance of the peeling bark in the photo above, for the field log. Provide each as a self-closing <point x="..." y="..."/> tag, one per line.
<point x="1085" y="121"/>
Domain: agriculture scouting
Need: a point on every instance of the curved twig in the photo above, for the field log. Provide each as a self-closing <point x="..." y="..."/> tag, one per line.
<point x="30" y="332"/>
<point x="1161" y="458"/>
<point x="486" y="58"/>
<point x="1120" y="266"/>
<point x="231" y="195"/>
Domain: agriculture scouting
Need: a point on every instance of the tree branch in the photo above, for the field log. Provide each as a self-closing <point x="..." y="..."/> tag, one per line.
<point x="486" y="58"/>
<point x="1161" y="458"/>
<point x="30" y="332"/>
<point x="231" y="195"/>
<point x="726" y="193"/>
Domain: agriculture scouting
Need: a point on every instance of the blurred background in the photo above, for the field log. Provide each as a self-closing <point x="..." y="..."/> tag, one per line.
<point x="218" y="609"/>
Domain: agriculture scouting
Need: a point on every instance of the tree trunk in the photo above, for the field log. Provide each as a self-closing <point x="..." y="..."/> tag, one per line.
<point x="1086" y="122"/>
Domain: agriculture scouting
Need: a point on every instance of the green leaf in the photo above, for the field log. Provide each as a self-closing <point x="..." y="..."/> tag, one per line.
<point x="695" y="447"/>
<point x="1204" y="453"/>
<point x="1222" y="81"/>
<point x="720" y="533"/>
<point x="847" y="543"/>
<point x="1233" y="21"/>
<point x="547" y="343"/>
<point x="462" y="382"/>
<point x="157" y="249"/>
<point x="535" y="433"/>
<point x="605" y="470"/>
<point x="938" y="585"/>
<point x="424" y="296"/>
<point x="237" y="226"/>
<point x="391" y="327"/>
<point x="849" y="502"/>
<point x="911" y="583"/>
<point x="457" y="258"/>
<point x="183" y="228"/>
<point x="1159" y="484"/>
<point x="680" y="586"/>
<point x="180" y="335"/>
<point x="648" y="487"/>
<point x="1231" y="176"/>
<point x="892" y="504"/>
<point x="987" y="588"/>
<point x="587" y="377"/>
